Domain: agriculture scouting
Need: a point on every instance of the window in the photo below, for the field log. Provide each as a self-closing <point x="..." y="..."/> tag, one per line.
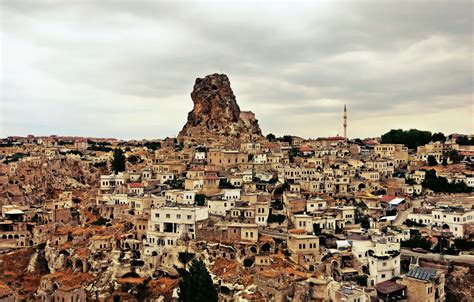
<point x="189" y="217"/>
<point x="178" y="216"/>
<point x="383" y="275"/>
<point x="168" y="215"/>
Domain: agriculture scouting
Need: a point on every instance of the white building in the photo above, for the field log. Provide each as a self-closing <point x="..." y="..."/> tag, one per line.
<point x="220" y="207"/>
<point x="169" y="224"/>
<point x="111" y="181"/>
<point x="384" y="261"/>
<point x="262" y="210"/>
<point x="231" y="194"/>
<point x="454" y="220"/>
<point x="315" y="204"/>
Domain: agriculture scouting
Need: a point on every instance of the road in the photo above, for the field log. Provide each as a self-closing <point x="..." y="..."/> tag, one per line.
<point x="403" y="215"/>
<point x="461" y="258"/>
<point x="274" y="234"/>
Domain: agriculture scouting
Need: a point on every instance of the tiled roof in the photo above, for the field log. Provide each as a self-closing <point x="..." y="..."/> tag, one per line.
<point x="135" y="185"/>
<point x="389" y="286"/>
<point x="422" y="273"/>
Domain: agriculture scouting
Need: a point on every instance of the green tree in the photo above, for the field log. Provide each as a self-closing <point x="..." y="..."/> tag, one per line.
<point x="196" y="285"/>
<point x="441" y="184"/>
<point x="142" y="291"/>
<point x="464" y="141"/>
<point x="133" y="159"/>
<point x="118" y="163"/>
<point x="411" y="138"/>
<point x="316" y="229"/>
<point x="417" y="242"/>
<point x="271" y="137"/>
<point x="438" y="137"/>
<point x="286" y="138"/>
<point x="225" y="184"/>
<point x="278" y="218"/>
<point x="152" y="145"/>
<point x="454" y="156"/>
<point x="200" y="199"/>
<point x="432" y="160"/>
<point x="175" y="184"/>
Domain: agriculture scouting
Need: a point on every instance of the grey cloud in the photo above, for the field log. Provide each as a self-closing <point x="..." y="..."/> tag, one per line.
<point x="126" y="60"/>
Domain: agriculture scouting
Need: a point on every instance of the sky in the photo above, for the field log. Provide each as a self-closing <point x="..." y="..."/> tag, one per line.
<point x="126" y="69"/>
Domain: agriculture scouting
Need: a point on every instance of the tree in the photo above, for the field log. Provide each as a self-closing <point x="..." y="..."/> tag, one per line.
<point x="276" y="218"/>
<point x="316" y="229"/>
<point x="225" y="184"/>
<point x="141" y="292"/>
<point x="286" y="138"/>
<point x="464" y="141"/>
<point x="200" y="199"/>
<point x="454" y="156"/>
<point x="411" y="138"/>
<point x="153" y="145"/>
<point x="432" y="160"/>
<point x="118" y="163"/>
<point x="133" y="159"/>
<point x="271" y="137"/>
<point x="175" y="184"/>
<point x="417" y="242"/>
<point x="441" y="184"/>
<point x="196" y="285"/>
<point x="438" y="137"/>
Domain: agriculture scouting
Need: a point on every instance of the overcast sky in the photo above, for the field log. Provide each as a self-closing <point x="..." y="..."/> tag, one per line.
<point x="125" y="69"/>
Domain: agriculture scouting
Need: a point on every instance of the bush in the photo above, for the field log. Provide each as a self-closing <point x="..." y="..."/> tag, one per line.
<point x="441" y="184"/>
<point x="200" y="199"/>
<point x="153" y="145"/>
<point x="361" y="280"/>
<point x="133" y="159"/>
<point x="417" y="242"/>
<point x="225" y="184"/>
<point x="277" y="205"/>
<point x="100" y="164"/>
<point x="432" y="160"/>
<point x="15" y="157"/>
<point x="463" y="244"/>
<point x="412" y="223"/>
<point x="279" y="218"/>
<point x="175" y="184"/>
<point x="101" y="148"/>
<point x="282" y="188"/>
<point x="100" y="221"/>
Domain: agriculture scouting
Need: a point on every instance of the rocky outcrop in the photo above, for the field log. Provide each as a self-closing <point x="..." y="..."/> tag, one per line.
<point x="216" y="112"/>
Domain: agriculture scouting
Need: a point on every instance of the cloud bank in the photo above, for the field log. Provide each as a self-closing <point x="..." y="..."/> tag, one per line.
<point x="125" y="69"/>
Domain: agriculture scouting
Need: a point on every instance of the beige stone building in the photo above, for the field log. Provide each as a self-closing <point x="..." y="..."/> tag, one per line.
<point x="226" y="158"/>
<point x="424" y="284"/>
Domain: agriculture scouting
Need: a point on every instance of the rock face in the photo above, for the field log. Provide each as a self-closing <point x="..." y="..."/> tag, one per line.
<point x="216" y="111"/>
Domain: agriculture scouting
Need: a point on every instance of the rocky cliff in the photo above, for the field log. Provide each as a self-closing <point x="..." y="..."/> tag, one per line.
<point x="216" y="112"/>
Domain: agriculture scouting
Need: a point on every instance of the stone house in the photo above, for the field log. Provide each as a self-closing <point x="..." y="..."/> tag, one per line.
<point x="424" y="284"/>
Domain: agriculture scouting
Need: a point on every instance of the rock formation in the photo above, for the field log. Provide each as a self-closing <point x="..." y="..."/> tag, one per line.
<point x="216" y="112"/>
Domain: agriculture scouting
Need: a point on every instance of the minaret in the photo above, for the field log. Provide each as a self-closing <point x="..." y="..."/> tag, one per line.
<point x="345" y="122"/>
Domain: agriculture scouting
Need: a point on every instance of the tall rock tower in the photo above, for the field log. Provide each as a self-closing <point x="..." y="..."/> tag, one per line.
<point x="216" y="112"/>
<point x="345" y="122"/>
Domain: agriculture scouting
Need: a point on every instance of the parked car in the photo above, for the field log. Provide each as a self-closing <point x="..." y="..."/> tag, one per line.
<point x="419" y="250"/>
